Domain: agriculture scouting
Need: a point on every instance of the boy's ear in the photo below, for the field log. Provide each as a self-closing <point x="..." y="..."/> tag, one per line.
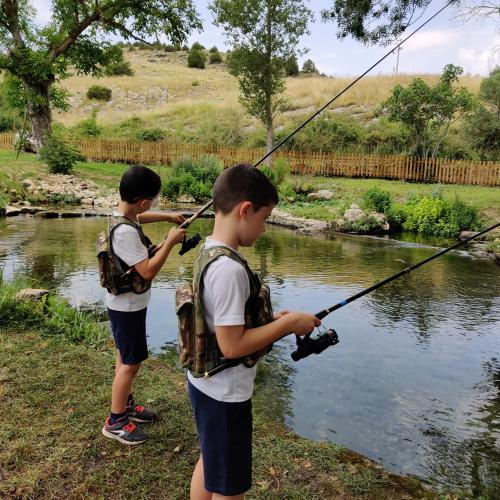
<point x="245" y="206"/>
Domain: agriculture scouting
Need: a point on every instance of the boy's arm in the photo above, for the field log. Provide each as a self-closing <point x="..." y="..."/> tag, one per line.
<point x="149" y="216"/>
<point x="149" y="268"/>
<point x="236" y="341"/>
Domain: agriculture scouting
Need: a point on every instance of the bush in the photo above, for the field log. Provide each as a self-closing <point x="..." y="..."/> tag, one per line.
<point x="197" y="46"/>
<point x="292" y="66"/>
<point x="89" y="127"/>
<point x="151" y="134"/>
<point x="214" y="50"/>
<point x="195" y="83"/>
<point x="171" y="48"/>
<point x="194" y="177"/>
<point x="437" y="217"/>
<point x="196" y="59"/>
<point x="377" y="200"/>
<point x="215" y="57"/>
<point x="278" y="173"/>
<point x="99" y="93"/>
<point x="119" y="68"/>
<point x="59" y="156"/>
<point x="7" y="123"/>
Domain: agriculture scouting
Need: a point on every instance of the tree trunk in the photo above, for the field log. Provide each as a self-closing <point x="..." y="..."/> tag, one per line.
<point x="269" y="139"/>
<point x="39" y="113"/>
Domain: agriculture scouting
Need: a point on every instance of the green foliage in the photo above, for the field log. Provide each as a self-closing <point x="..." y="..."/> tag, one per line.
<point x="99" y="93"/>
<point x="490" y="90"/>
<point x="221" y="129"/>
<point x="377" y="200"/>
<point x="263" y="37"/>
<point x="195" y="83"/>
<point x="194" y="177"/>
<point x="385" y="137"/>
<point x="63" y="199"/>
<point x="172" y="48"/>
<point x="213" y="50"/>
<point x="151" y="134"/>
<point x="89" y="127"/>
<point x="59" y="156"/>
<point x="292" y="66"/>
<point x="309" y="67"/>
<point x="438" y="217"/>
<point x="429" y="111"/>
<point x="121" y="68"/>
<point x="365" y="225"/>
<point x="52" y="317"/>
<point x="197" y="58"/>
<point x="215" y="57"/>
<point x="197" y="46"/>
<point x="7" y="123"/>
<point x="279" y="175"/>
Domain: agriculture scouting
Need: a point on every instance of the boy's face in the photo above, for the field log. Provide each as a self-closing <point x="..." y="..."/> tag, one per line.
<point x="145" y="204"/>
<point x="253" y="223"/>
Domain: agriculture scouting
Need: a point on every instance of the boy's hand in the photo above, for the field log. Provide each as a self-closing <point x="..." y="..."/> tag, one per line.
<point x="279" y="314"/>
<point x="175" y="235"/>
<point x="302" y="323"/>
<point x="176" y="219"/>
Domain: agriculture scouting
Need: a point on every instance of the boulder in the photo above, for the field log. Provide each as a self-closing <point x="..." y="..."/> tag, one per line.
<point x="185" y="198"/>
<point x="11" y="211"/>
<point x="466" y="234"/>
<point x="34" y="294"/>
<point x="323" y="194"/>
<point x="353" y="214"/>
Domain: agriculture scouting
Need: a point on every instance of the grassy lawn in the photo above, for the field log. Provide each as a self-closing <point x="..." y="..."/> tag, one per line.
<point x="57" y="394"/>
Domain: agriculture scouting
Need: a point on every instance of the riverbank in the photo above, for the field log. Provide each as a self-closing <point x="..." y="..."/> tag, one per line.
<point x="56" y="387"/>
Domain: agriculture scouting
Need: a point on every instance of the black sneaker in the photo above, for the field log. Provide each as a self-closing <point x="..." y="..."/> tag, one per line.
<point x="125" y="431"/>
<point x="139" y="413"/>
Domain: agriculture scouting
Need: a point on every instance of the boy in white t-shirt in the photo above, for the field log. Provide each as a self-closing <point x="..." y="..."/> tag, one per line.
<point x="222" y="404"/>
<point x="139" y="192"/>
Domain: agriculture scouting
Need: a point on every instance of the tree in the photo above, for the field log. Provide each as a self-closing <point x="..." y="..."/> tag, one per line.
<point x="483" y="126"/>
<point x="309" y="67"/>
<point x="374" y="21"/>
<point x="292" y="66"/>
<point x="263" y="34"/>
<point x="38" y="57"/>
<point x="428" y="111"/>
<point x="197" y="58"/>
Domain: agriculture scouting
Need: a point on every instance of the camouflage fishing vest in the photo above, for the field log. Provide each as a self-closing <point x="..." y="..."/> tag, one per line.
<point x="113" y="272"/>
<point x="198" y="348"/>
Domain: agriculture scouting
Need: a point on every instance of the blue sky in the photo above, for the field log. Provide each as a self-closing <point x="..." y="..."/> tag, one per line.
<point x="445" y="40"/>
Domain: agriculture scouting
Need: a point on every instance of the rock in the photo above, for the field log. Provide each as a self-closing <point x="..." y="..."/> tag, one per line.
<point x="353" y="214"/>
<point x="186" y="198"/>
<point x="466" y="234"/>
<point x="323" y="194"/>
<point x="71" y="215"/>
<point x="27" y="183"/>
<point x="281" y="218"/>
<point x="13" y="191"/>
<point x="87" y="201"/>
<point x="34" y="294"/>
<point x="32" y="210"/>
<point x="48" y="215"/>
<point x="11" y="211"/>
<point x="382" y="220"/>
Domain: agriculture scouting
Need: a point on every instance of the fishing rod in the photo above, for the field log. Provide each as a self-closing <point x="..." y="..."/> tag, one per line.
<point x="307" y="345"/>
<point x="190" y="243"/>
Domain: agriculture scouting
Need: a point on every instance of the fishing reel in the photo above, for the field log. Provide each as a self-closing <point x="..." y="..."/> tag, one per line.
<point x="189" y="243"/>
<point x="307" y="345"/>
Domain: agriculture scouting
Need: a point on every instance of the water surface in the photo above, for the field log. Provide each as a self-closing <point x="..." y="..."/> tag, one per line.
<point x="414" y="382"/>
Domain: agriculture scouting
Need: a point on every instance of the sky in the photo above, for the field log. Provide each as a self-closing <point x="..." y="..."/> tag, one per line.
<point x="445" y="40"/>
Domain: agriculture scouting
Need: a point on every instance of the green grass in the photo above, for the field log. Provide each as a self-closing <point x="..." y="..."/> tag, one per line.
<point x="348" y="191"/>
<point x="57" y="394"/>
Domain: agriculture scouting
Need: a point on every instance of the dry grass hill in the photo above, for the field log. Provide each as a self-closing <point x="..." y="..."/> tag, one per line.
<point x="164" y="92"/>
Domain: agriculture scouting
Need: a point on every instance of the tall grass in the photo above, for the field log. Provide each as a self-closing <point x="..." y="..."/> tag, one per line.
<point x="52" y="316"/>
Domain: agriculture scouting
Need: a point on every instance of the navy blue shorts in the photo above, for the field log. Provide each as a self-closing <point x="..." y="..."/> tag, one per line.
<point x="129" y="332"/>
<point x="225" y="431"/>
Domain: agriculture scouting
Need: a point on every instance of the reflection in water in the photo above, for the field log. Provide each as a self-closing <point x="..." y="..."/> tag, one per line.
<point x="415" y="379"/>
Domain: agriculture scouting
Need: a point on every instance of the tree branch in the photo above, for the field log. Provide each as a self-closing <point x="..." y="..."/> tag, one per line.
<point x="121" y="27"/>
<point x="12" y="15"/>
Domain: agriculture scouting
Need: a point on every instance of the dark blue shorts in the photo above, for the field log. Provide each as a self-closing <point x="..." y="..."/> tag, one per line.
<point x="129" y="332"/>
<point x="225" y="431"/>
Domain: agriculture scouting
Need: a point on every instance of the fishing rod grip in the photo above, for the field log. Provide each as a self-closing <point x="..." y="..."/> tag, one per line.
<point x="322" y="314"/>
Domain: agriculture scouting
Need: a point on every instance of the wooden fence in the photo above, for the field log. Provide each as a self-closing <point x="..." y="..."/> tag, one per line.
<point x="326" y="164"/>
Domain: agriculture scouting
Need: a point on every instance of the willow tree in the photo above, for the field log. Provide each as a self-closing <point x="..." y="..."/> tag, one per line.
<point x="264" y="35"/>
<point x="37" y="57"/>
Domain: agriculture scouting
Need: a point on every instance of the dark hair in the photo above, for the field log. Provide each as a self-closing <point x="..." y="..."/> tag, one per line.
<point x="243" y="182"/>
<point x="139" y="182"/>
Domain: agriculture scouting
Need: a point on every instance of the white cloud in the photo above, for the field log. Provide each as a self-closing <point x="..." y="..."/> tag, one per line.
<point x="429" y="40"/>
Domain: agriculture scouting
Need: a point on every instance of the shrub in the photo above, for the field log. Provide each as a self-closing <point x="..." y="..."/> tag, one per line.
<point x="89" y="127"/>
<point x="195" y="83"/>
<point x="6" y="123"/>
<point x="151" y="134"/>
<point x="171" y="48"/>
<point x="437" y="217"/>
<point x="196" y="59"/>
<point x="197" y="46"/>
<point x="99" y="93"/>
<point x="377" y="200"/>
<point x="63" y="199"/>
<point x="214" y="50"/>
<point x="194" y="177"/>
<point x="278" y="173"/>
<point x="59" y="156"/>
<point x="120" y="68"/>
<point x="215" y="57"/>
<point x="292" y="66"/>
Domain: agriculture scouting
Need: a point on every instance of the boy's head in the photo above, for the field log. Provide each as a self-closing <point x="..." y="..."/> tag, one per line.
<point x="140" y="186"/>
<point x="245" y="194"/>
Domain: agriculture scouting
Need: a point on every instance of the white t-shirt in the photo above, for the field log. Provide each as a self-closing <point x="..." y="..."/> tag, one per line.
<point x="226" y="290"/>
<point x="127" y="245"/>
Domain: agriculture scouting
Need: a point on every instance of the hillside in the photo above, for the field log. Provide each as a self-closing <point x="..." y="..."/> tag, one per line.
<point x="164" y="92"/>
